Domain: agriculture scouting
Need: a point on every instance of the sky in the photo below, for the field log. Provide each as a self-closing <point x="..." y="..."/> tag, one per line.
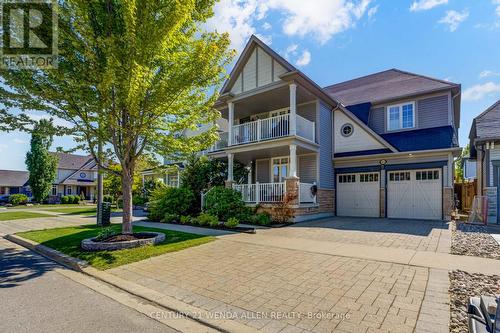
<point x="336" y="40"/>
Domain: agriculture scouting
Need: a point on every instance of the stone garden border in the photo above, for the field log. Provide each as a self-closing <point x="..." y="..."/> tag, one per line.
<point x="90" y="244"/>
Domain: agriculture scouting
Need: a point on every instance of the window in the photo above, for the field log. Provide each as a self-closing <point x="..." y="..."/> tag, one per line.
<point x="54" y="189"/>
<point x="280" y="169"/>
<point x="399" y="176"/>
<point x="368" y="177"/>
<point x="427" y="175"/>
<point x="347" y="178"/>
<point x="68" y="190"/>
<point x="346" y="130"/>
<point x="401" y="116"/>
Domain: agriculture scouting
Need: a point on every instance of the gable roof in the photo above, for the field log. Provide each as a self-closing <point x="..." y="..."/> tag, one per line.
<point x="362" y="111"/>
<point x="422" y="139"/>
<point x="245" y="54"/>
<point x="384" y="86"/>
<point x="13" y="178"/>
<point x="486" y="126"/>
<point x="72" y="161"/>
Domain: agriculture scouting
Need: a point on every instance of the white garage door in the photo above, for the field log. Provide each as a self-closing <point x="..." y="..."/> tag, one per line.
<point x="414" y="194"/>
<point x="358" y="194"/>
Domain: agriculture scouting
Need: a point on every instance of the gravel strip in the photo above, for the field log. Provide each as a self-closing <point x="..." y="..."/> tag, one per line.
<point x="464" y="285"/>
<point x="473" y="240"/>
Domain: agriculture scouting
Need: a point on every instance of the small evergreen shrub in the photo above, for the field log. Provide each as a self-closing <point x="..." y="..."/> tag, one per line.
<point x="107" y="198"/>
<point x="208" y="219"/>
<point x="224" y="203"/>
<point x="232" y="222"/>
<point x="185" y="219"/>
<point x="18" y="199"/>
<point x="262" y="219"/>
<point x="170" y="218"/>
<point x="169" y="200"/>
<point x="65" y="199"/>
<point x="74" y="199"/>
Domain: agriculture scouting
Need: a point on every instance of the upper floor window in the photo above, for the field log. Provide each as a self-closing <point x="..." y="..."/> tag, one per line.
<point x="401" y="116"/>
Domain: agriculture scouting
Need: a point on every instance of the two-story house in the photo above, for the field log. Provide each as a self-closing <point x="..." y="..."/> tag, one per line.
<point x="376" y="146"/>
<point x="76" y="175"/>
<point x="484" y="138"/>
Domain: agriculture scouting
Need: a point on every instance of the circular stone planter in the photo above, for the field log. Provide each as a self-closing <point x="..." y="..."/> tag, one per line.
<point x="90" y="244"/>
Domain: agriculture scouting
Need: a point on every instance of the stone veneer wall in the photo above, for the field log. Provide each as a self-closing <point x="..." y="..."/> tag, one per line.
<point x="447" y="202"/>
<point x="326" y="204"/>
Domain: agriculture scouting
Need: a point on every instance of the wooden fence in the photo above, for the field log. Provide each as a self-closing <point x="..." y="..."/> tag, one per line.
<point x="465" y="193"/>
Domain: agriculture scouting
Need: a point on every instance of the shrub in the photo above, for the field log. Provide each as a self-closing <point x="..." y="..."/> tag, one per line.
<point x="107" y="198"/>
<point x="282" y="211"/>
<point x="119" y="203"/>
<point x="169" y="218"/>
<point x="138" y="200"/>
<point x="224" y="203"/>
<point x="18" y="199"/>
<point x="208" y="219"/>
<point x="262" y="219"/>
<point x="185" y="219"/>
<point x="169" y="200"/>
<point x="232" y="222"/>
<point x="65" y="199"/>
<point x="105" y="233"/>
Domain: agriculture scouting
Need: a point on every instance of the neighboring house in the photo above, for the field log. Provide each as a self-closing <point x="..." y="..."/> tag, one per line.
<point x="377" y="146"/>
<point x="13" y="182"/>
<point x="469" y="168"/>
<point x="76" y="175"/>
<point x="485" y="148"/>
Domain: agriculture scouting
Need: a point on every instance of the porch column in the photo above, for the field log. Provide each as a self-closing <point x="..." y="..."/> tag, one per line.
<point x="249" y="177"/>
<point x="293" y="109"/>
<point x="230" y="107"/>
<point x="229" y="181"/>
<point x="293" y="160"/>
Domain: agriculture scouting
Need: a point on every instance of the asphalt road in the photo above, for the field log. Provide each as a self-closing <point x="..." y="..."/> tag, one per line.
<point x="35" y="298"/>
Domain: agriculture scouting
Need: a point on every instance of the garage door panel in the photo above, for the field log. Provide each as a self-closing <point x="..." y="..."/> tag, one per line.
<point x="358" y="195"/>
<point x="415" y="194"/>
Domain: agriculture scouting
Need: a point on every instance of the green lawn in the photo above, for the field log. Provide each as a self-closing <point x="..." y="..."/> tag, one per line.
<point x="79" y="210"/>
<point x="50" y="206"/>
<point x="67" y="240"/>
<point x="21" y="215"/>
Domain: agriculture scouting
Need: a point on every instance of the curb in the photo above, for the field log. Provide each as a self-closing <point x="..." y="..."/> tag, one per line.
<point x="169" y="303"/>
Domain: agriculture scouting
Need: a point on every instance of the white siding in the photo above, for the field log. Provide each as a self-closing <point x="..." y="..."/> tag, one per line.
<point x="264" y="68"/>
<point x="278" y="70"/>
<point x="236" y="89"/>
<point x="359" y="140"/>
<point x="62" y="174"/>
<point x="263" y="171"/>
<point x="250" y="73"/>
<point x="307" y="168"/>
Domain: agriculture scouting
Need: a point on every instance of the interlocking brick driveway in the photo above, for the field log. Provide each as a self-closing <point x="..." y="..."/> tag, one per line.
<point x="227" y="276"/>
<point x="420" y="235"/>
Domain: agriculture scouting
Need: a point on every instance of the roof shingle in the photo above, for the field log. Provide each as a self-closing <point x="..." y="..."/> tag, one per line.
<point x="13" y="178"/>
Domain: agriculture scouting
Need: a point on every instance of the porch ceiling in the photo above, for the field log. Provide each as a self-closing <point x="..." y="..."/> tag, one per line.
<point x="248" y="156"/>
<point x="267" y="101"/>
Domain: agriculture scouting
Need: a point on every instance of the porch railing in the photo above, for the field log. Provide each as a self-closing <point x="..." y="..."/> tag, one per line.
<point x="222" y="143"/>
<point x="261" y="192"/>
<point x="262" y="129"/>
<point x="306" y="128"/>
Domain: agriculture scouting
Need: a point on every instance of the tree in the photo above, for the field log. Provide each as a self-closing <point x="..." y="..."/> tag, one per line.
<point x="201" y="173"/>
<point x="132" y="76"/>
<point x="42" y="166"/>
<point x="459" y="164"/>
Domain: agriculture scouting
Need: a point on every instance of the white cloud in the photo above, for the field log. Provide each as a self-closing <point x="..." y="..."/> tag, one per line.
<point x="480" y="91"/>
<point x="19" y="141"/>
<point x="320" y="19"/>
<point x="426" y="4"/>
<point x="488" y="73"/>
<point x="304" y="59"/>
<point x="453" y="19"/>
<point x="56" y="121"/>
<point x="266" y="26"/>
<point x="372" y="11"/>
<point x="496" y="3"/>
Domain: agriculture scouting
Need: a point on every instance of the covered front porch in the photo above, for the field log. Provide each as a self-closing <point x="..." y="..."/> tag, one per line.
<point x="288" y="166"/>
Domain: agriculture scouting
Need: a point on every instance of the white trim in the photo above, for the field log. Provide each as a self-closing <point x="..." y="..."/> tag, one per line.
<point x="407" y="153"/>
<point x="271" y="165"/>
<point x="400" y="107"/>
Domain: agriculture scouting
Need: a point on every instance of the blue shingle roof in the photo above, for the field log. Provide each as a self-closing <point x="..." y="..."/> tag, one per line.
<point x="363" y="152"/>
<point x="362" y="111"/>
<point x="422" y="139"/>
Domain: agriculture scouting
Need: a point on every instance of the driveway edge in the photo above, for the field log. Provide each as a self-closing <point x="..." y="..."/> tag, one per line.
<point x="169" y="303"/>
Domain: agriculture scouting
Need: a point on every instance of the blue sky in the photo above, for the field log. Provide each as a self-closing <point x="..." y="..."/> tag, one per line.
<point x="337" y="40"/>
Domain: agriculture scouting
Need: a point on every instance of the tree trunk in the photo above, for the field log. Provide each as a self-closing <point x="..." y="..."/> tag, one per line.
<point x="127" y="181"/>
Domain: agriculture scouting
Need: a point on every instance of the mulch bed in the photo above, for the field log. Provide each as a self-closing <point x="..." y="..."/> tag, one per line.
<point x="473" y="240"/>
<point x="123" y="238"/>
<point x="464" y="285"/>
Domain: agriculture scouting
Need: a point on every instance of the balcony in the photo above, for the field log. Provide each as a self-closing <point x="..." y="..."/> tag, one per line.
<point x="267" y="129"/>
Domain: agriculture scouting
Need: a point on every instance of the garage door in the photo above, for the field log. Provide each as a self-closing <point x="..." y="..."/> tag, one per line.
<point x="414" y="194"/>
<point x="358" y="194"/>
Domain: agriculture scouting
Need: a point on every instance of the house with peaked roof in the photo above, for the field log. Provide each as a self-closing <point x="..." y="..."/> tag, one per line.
<point x="484" y="139"/>
<point x="14" y="182"/>
<point x="76" y="175"/>
<point x="377" y="146"/>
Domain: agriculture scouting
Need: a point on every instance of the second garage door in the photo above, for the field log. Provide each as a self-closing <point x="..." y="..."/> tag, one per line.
<point x="358" y="194"/>
<point x="414" y="194"/>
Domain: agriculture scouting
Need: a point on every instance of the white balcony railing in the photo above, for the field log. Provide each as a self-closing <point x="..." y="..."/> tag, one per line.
<point x="306" y="129"/>
<point x="262" y="129"/>
<point x="221" y="143"/>
<point x="261" y="192"/>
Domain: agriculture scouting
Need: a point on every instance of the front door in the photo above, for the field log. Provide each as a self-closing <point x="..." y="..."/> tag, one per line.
<point x="279" y="169"/>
